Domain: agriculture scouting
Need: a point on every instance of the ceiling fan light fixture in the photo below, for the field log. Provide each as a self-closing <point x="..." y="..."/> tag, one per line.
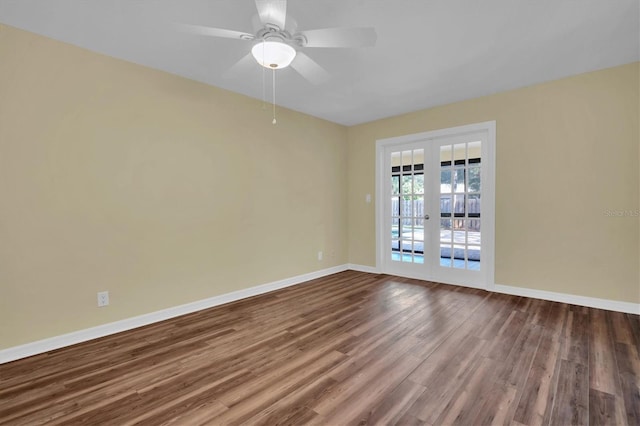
<point x="273" y="54"/>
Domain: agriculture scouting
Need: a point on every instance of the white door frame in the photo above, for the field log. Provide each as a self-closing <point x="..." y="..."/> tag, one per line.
<point x="488" y="193"/>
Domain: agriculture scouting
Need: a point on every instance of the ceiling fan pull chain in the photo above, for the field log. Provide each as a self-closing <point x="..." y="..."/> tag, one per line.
<point x="274" y="97"/>
<point x="264" y="90"/>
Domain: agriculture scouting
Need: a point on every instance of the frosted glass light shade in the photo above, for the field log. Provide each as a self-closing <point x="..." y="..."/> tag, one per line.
<point x="273" y="54"/>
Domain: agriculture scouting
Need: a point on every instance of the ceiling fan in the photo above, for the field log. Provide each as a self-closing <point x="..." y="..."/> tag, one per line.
<point x="277" y="41"/>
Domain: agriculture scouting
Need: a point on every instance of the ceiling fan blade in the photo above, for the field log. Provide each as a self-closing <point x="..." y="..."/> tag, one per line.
<point x="340" y="37"/>
<point x="241" y="67"/>
<point x="309" y="69"/>
<point x="215" y="32"/>
<point x="272" y="12"/>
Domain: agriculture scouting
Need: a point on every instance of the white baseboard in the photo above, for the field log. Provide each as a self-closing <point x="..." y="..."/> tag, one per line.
<point x="572" y="299"/>
<point x="591" y="302"/>
<point x="363" y="268"/>
<point x="46" y="345"/>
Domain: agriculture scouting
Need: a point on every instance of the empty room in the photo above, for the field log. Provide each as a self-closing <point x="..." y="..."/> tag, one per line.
<point x="330" y="212"/>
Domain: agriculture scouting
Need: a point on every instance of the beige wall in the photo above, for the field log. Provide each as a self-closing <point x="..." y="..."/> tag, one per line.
<point x="566" y="153"/>
<point x="166" y="191"/>
<point x="157" y="188"/>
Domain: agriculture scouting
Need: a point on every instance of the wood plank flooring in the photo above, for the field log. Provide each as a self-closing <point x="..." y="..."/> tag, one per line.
<point x="351" y="348"/>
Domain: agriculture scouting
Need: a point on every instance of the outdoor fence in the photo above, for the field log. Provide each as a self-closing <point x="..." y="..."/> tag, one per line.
<point x="412" y="211"/>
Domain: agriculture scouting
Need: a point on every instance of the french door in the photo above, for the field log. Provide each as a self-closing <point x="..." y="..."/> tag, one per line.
<point x="435" y="205"/>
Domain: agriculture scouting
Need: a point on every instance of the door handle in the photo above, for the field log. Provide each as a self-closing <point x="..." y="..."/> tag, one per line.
<point x="426" y="217"/>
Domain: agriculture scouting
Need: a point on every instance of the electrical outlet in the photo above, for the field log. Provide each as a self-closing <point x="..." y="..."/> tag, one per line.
<point x="319" y="255"/>
<point x="103" y="298"/>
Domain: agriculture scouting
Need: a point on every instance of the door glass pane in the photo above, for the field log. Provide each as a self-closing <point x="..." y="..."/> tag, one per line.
<point x="445" y="205"/>
<point x="459" y="234"/>
<point x="404" y="246"/>
<point x="474" y="179"/>
<point x="395" y="185"/>
<point x="418" y="206"/>
<point x="458" y="204"/>
<point x="459" y="256"/>
<point x="460" y="208"/>
<point x="474" y="149"/>
<point x="473" y="231"/>
<point x="395" y="227"/>
<point x="407" y="181"/>
<point x="445" y="179"/>
<point x="459" y="173"/>
<point x="460" y="151"/>
<point x="407" y="233"/>
<point x="395" y="160"/>
<point x="418" y="247"/>
<point x="418" y="156"/>
<point x="473" y="205"/>
<point x="395" y="206"/>
<point x="405" y="207"/>
<point x="473" y="254"/>
<point x="407" y="158"/>
<point x="445" y="255"/>
<point x="418" y="184"/>
<point x="445" y="153"/>
<point x="445" y="231"/>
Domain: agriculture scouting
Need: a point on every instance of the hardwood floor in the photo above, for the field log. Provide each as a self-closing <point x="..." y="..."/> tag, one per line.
<point x="351" y="348"/>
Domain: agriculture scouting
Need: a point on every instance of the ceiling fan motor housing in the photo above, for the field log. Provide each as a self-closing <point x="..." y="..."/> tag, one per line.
<point x="274" y="33"/>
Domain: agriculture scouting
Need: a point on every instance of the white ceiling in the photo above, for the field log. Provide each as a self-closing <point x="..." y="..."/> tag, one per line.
<point x="428" y="52"/>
